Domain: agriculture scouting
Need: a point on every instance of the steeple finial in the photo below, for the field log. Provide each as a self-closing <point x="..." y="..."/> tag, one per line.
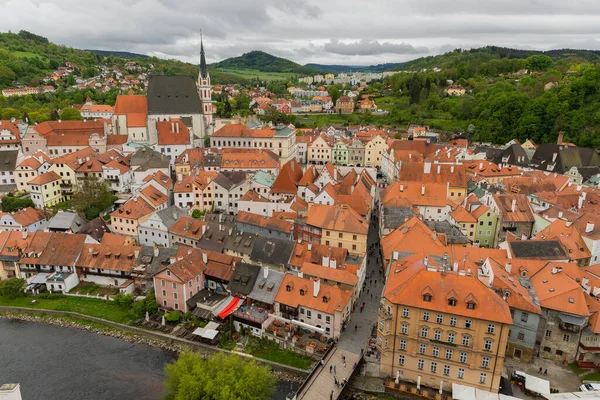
<point x="203" y="66"/>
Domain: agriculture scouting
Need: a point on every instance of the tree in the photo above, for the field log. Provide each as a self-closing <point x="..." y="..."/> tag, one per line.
<point x="70" y="114"/>
<point x="12" y="204"/>
<point x="334" y="93"/>
<point x="9" y="113"/>
<point x="539" y="62"/>
<point x="92" y="193"/>
<point x="220" y="377"/>
<point x="7" y="76"/>
<point x="12" y="287"/>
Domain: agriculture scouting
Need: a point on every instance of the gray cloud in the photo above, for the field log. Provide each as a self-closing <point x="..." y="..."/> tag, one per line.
<point x="335" y="31"/>
<point x="370" y="48"/>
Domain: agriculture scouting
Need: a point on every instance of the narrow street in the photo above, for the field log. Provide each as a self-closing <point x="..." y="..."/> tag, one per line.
<point x="358" y="331"/>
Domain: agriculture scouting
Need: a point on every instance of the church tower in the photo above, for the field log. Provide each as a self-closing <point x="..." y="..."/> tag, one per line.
<point x="204" y="87"/>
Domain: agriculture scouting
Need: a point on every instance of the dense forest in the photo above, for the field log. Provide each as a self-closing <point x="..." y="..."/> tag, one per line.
<point x="500" y="104"/>
<point x="261" y="61"/>
<point x="26" y="57"/>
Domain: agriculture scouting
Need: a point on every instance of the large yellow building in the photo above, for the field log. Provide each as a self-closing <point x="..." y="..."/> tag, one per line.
<point x="439" y="326"/>
<point x="45" y="190"/>
<point x="339" y="226"/>
<point x="374" y="150"/>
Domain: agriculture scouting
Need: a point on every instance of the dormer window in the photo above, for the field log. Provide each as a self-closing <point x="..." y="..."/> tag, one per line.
<point x="302" y="292"/>
<point x="452" y="302"/>
<point x="427" y="298"/>
<point x="288" y="288"/>
<point x="470" y="305"/>
<point x="325" y="299"/>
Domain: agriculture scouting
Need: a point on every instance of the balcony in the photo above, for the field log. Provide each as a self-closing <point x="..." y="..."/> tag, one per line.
<point x="258" y="315"/>
<point x="571" y="323"/>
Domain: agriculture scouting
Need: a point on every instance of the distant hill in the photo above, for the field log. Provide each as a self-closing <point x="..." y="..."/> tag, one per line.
<point x="334" y="69"/>
<point x="260" y="61"/>
<point x="122" y="54"/>
<point x="493" y="52"/>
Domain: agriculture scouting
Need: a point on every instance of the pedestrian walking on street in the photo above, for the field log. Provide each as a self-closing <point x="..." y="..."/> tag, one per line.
<point x="334" y="370"/>
<point x="354" y="366"/>
<point x="540" y="371"/>
<point x="344" y="363"/>
<point x="330" y="368"/>
<point x="545" y="372"/>
<point x="355" y="328"/>
<point x="331" y="395"/>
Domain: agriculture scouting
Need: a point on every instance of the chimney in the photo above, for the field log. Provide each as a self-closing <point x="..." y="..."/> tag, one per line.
<point x="508" y="267"/>
<point x="589" y="227"/>
<point x="265" y="272"/>
<point x="401" y="187"/>
<point x="155" y="251"/>
<point x="172" y="127"/>
<point x="480" y="165"/>
<point x="136" y="254"/>
<point x="177" y="127"/>
<point x="560" y="214"/>
<point x="426" y="261"/>
<point x="434" y="235"/>
<point x="406" y="218"/>
<point x="422" y="190"/>
<point x="172" y="260"/>
<point x="316" y="287"/>
<point x="203" y="229"/>
<point x="325" y="261"/>
<point x="513" y="205"/>
<point x="309" y="246"/>
<point x="300" y="274"/>
<point x="452" y="169"/>
<point x="554" y="157"/>
<point x="24" y="233"/>
<point x="580" y="201"/>
<point x="561" y="136"/>
<point x="426" y="167"/>
<point x="439" y="169"/>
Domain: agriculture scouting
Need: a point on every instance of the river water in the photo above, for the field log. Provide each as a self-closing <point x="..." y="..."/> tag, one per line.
<point x="56" y="363"/>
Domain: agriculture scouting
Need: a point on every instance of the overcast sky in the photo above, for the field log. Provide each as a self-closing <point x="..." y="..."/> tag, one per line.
<point x="347" y="32"/>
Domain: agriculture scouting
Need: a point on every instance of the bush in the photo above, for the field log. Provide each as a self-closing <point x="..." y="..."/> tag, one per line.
<point x="92" y="213"/>
<point x="198" y="214"/>
<point x="51" y="296"/>
<point x="123" y="300"/>
<point x="12" y="204"/>
<point x="12" y="287"/>
<point x="173" y="316"/>
<point x="148" y="305"/>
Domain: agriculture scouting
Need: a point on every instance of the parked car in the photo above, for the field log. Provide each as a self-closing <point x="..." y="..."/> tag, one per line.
<point x="590" y="387"/>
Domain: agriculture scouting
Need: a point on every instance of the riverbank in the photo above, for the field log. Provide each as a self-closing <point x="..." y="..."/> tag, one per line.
<point x="136" y="335"/>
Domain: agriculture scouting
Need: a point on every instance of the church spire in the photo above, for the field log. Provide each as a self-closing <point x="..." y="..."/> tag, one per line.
<point x="203" y="67"/>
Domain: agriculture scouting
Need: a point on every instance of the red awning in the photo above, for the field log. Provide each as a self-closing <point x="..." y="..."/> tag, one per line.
<point x="229" y="308"/>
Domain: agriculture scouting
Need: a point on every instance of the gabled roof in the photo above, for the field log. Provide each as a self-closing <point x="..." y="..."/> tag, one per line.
<point x="329" y="299"/>
<point x="108" y="257"/>
<point x="173" y="132"/>
<point x="45" y="178"/>
<point x="188" y="227"/>
<point x="273" y="251"/>
<point x="519" y="295"/>
<point x="146" y="158"/>
<point x="135" y="208"/>
<point x="229" y="179"/>
<point x="288" y="178"/>
<point x="522" y="209"/>
<point x="558" y="287"/>
<point x="135" y="107"/>
<point x="342" y="218"/>
<point x="410" y="279"/>
<point x="173" y="95"/>
<point x="271" y="223"/>
<point x="243" y="279"/>
<point x="537" y="249"/>
<point x="28" y="216"/>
